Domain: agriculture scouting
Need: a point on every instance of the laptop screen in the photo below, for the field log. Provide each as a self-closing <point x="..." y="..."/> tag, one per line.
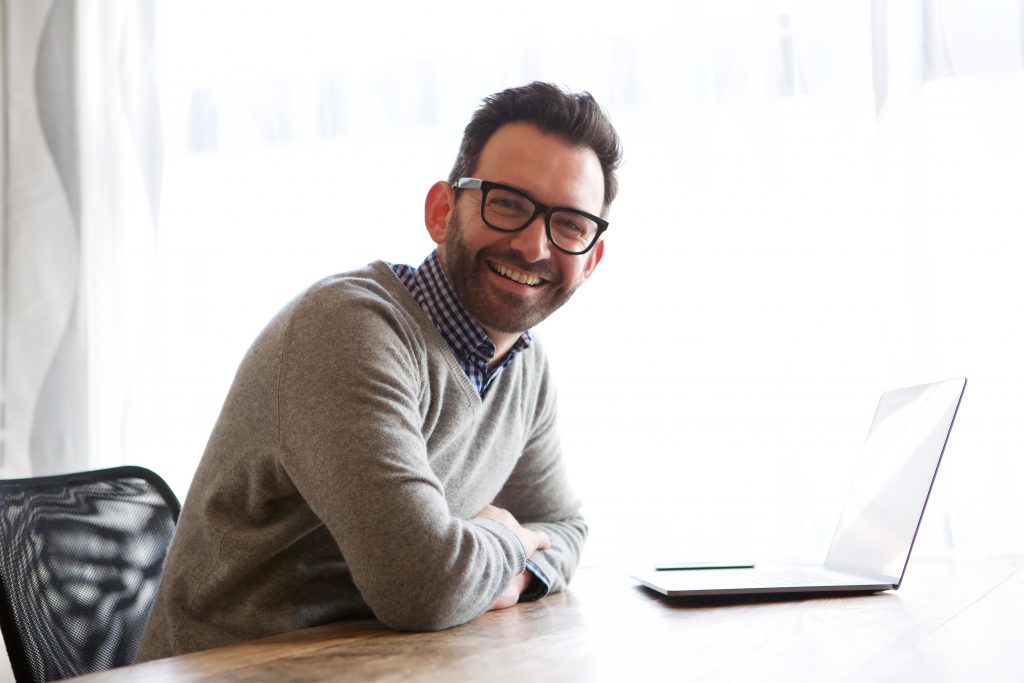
<point x="895" y="473"/>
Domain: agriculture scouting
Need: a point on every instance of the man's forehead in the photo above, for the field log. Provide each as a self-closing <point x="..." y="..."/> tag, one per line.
<point x="543" y="165"/>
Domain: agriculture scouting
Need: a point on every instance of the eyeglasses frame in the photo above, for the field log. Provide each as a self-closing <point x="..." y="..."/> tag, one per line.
<point x="486" y="186"/>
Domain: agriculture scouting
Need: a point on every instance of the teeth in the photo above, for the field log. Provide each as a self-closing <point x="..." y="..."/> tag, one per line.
<point x="521" y="278"/>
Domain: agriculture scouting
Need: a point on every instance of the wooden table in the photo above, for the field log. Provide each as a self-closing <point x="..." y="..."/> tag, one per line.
<point x="952" y="620"/>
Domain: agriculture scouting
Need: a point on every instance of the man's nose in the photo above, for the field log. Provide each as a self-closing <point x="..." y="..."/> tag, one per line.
<point x="532" y="241"/>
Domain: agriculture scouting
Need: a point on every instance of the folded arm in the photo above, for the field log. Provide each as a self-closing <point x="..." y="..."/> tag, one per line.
<point x="539" y="496"/>
<point x="353" y="446"/>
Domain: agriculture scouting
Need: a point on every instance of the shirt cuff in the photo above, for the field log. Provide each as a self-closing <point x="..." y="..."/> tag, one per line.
<point x="539" y="586"/>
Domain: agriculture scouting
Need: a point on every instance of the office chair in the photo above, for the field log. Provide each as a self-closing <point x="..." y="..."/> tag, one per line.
<point x="80" y="560"/>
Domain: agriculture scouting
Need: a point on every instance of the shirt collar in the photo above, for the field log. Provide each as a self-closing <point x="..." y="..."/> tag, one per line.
<point x="471" y="344"/>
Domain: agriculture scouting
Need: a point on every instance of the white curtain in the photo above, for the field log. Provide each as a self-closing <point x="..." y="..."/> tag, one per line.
<point x="819" y="201"/>
<point x="80" y="202"/>
<point x="44" y="324"/>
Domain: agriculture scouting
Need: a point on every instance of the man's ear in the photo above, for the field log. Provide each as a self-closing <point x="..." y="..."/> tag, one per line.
<point x="438" y="209"/>
<point x="593" y="258"/>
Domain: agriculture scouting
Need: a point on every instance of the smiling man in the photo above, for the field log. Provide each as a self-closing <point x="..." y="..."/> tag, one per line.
<point x="388" y="447"/>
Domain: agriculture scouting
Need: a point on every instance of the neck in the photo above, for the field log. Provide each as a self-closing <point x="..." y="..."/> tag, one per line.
<point x="503" y="343"/>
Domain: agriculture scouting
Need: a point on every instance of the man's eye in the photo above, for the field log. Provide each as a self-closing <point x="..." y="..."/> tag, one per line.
<point x="506" y="203"/>
<point x="569" y="227"/>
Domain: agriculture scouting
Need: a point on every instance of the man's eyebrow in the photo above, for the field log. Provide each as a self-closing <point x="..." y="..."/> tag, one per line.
<point x="532" y="198"/>
<point x="516" y="188"/>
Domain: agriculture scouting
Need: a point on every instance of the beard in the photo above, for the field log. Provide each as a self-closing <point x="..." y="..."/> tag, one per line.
<point x="492" y="308"/>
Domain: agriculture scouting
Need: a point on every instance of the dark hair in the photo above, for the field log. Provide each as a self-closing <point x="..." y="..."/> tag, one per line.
<point x="576" y="118"/>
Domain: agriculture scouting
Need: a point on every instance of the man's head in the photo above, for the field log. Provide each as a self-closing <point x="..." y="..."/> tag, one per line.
<point x="576" y="118"/>
<point x="553" y="149"/>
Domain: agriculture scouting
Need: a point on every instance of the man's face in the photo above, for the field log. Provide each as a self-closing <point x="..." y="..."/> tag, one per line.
<point x="510" y="282"/>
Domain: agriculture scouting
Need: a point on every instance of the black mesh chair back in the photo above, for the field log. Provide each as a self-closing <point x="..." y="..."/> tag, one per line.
<point x="80" y="560"/>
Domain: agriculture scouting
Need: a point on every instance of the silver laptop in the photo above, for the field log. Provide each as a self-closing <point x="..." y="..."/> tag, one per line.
<point x="880" y="518"/>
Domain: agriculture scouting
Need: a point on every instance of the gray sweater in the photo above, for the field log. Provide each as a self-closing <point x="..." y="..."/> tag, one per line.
<point x="343" y="474"/>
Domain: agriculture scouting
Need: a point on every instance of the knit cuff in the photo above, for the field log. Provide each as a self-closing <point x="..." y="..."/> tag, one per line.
<point x="513" y="547"/>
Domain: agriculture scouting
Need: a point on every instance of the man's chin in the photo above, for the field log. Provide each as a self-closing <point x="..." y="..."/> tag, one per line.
<point x="510" y="315"/>
<point x="509" y="322"/>
<point x="505" y="325"/>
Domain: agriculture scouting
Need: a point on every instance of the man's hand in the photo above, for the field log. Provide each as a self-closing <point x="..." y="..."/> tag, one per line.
<point x="510" y="595"/>
<point x="532" y="540"/>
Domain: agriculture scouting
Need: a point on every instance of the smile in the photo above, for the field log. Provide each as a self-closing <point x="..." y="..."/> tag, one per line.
<point x="515" y="275"/>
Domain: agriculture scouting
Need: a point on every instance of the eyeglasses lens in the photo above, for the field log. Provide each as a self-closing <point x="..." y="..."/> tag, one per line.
<point x="506" y="210"/>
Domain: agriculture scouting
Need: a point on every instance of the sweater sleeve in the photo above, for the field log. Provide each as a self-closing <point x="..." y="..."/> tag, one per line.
<point x="351" y="442"/>
<point x="538" y="495"/>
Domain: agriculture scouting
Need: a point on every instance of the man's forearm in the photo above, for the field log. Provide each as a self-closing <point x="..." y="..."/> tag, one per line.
<point x="559" y="562"/>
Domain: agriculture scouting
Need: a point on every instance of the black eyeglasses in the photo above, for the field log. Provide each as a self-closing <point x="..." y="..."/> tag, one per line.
<point x="510" y="210"/>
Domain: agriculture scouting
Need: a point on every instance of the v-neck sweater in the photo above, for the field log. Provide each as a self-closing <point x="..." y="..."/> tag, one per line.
<point x="344" y="472"/>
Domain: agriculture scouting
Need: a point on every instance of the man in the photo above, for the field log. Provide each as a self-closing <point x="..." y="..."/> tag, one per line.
<point x="388" y="446"/>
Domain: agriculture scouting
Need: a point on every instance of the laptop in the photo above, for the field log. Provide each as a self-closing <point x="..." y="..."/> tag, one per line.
<point x="880" y="518"/>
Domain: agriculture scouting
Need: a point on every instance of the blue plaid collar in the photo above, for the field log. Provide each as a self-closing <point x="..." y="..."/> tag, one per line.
<point x="468" y="341"/>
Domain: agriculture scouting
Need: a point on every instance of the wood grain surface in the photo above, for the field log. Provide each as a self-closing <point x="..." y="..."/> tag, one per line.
<point x="951" y="620"/>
